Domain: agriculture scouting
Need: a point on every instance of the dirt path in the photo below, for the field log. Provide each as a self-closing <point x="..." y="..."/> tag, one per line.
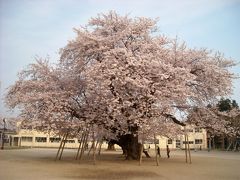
<point x="39" y="164"/>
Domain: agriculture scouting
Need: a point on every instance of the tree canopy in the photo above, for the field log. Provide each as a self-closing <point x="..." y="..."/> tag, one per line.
<point x="221" y="118"/>
<point x="122" y="76"/>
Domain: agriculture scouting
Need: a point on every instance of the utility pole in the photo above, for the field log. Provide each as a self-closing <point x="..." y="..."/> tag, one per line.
<point x="3" y="133"/>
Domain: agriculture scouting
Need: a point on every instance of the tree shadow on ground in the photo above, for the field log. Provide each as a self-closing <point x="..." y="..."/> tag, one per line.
<point x="110" y="174"/>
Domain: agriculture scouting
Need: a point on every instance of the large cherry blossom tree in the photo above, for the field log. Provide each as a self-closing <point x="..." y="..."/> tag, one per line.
<point x="122" y="75"/>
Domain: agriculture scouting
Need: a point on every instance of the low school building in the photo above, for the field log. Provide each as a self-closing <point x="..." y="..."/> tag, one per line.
<point x="197" y="138"/>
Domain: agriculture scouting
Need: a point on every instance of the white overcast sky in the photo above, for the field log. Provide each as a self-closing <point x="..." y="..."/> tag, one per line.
<point x="40" y="27"/>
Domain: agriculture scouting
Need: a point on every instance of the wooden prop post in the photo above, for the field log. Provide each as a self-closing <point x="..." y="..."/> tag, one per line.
<point x="156" y="150"/>
<point x="94" y="150"/>
<point x="60" y="146"/>
<point x="189" y="153"/>
<point x="92" y="145"/>
<point x="100" y="147"/>
<point x="230" y="144"/>
<point x="84" y="145"/>
<point x="140" y="158"/>
<point x="141" y="151"/>
<point x="185" y="138"/>
<point x="64" y="142"/>
<point x="80" y="143"/>
<point x="209" y="143"/>
<point x="235" y="146"/>
<point x="97" y="144"/>
<point x="90" y="149"/>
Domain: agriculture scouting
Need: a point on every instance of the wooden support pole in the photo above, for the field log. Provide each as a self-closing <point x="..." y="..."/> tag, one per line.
<point x="209" y="144"/>
<point x="90" y="149"/>
<point x="213" y="143"/>
<point x="140" y="158"/>
<point x="223" y="142"/>
<point x="93" y="144"/>
<point x="235" y="146"/>
<point x="98" y="141"/>
<point x="156" y="150"/>
<point x="79" y="129"/>
<point x="94" y="150"/>
<point x="189" y="153"/>
<point x="185" y="138"/>
<point x="229" y="146"/>
<point x="84" y="145"/>
<point x="79" y="147"/>
<point x="100" y="147"/>
<point x="64" y="142"/>
<point x="141" y="152"/>
<point x="60" y="146"/>
<point x="141" y="149"/>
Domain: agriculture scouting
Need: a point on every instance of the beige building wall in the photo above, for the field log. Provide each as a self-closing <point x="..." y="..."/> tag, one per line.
<point x="197" y="138"/>
<point x="32" y="138"/>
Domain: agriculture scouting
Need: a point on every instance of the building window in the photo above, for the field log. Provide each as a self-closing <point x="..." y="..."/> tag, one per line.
<point x="70" y="141"/>
<point x="40" y="139"/>
<point x="27" y="139"/>
<point x="54" y="140"/>
<point x="190" y="142"/>
<point x="178" y="143"/>
<point x="151" y="141"/>
<point x="5" y="138"/>
<point x="198" y="130"/>
<point x="198" y="141"/>
<point x="156" y="141"/>
<point x="187" y="130"/>
<point x="169" y="141"/>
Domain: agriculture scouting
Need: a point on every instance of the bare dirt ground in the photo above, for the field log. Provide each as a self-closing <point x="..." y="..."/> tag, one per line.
<point x="39" y="164"/>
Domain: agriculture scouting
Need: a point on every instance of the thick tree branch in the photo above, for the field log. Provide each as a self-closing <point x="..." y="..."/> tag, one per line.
<point x="174" y="119"/>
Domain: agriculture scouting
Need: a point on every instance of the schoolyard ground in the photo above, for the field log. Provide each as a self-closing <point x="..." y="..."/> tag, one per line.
<point x="39" y="164"/>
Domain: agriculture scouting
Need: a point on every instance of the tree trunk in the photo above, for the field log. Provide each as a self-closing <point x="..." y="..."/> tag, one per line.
<point x="111" y="146"/>
<point x="130" y="146"/>
<point x="209" y="144"/>
<point x="223" y="143"/>
<point x="140" y="158"/>
<point x="213" y="143"/>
